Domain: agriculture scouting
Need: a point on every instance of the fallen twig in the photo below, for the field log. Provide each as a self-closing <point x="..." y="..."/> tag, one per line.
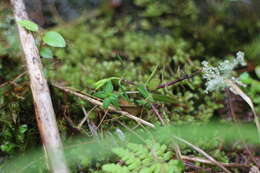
<point x="206" y="161"/>
<point x="99" y="103"/>
<point x="155" y="110"/>
<point x="91" y="125"/>
<point x="13" y="80"/>
<point x="211" y="159"/>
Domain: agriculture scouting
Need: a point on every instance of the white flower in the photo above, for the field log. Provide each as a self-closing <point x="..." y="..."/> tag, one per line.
<point x="216" y="76"/>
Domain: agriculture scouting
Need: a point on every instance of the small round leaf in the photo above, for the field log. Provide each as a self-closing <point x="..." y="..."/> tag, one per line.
<point x="46" y="52"/>
<point x="257" y="71"/>
<point x="29" y="25"/>
<point x="54" y="39"/>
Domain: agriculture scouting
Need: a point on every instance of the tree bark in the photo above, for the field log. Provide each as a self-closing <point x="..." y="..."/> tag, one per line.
<point x="45" y="115"/>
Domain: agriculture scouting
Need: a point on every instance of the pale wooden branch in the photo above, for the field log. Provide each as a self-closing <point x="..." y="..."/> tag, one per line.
<point x="45" y="115"/>
<point x="99" y="103"/>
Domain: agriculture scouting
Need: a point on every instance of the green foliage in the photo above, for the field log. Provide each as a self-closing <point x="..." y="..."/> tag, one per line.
<point x="138" y="52"/>
<point x="108" y="95"/>
<point x="253" y="50"/>
<point x="149" y="158"/>
<point x="9" y="42"/>
<point x="54" y="39"/>
<point x="143" y="91"/>
<point x="29" y="25"/>
<point x="252" y="89"/>
<point x="46" y="52"/>
<point x="102" y="82"/>
<point x="13" y="139"/>
<point x="50" y="38"/>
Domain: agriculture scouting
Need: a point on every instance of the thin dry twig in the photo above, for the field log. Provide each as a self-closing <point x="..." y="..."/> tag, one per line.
<point x="93" y="128"/>
<point x="177" y="151"/>
<point x="215" y="162"/>
<point x="99" y="103"/>
<point x="206" y="161"/>
<point x="85" y="117"/>
<point x="13" y="80"/>
<point x="155" y="110"/>
<point x="102" y="119"/>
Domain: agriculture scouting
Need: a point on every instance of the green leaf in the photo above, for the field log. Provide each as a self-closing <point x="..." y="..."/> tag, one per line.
<point x="141" y="102"/>
<point x="102" y="82"/>
<point x="142" y="89"/>
<point x="101" y="94"/>
<point x="257" y="71"/>
<point x="29" y="25"/>
<point x="152" y="75"/>
<point x="109" y="87"/>
<point x="245" y="78"/>
<point x="54" y="39"/>
<point x="23" y="129"/>
<point x="153" y="83"/>
<point x="176" y="166"/>
<point x="106" y="103"/>
<point x="114" y="100"/>
<point x="163" y="98"/>
<point x="46" y="52"/>
<point x="7" y="147"/>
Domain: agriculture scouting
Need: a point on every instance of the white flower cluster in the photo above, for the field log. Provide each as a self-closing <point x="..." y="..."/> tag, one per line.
<point x="216" y="76"/>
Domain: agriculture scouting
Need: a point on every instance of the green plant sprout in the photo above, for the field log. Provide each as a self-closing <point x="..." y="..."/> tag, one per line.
<point x="216" y="76"/>
<point x="149" y="158"/>
<point x="108" y="95"/>
<point x="50" y="38"/>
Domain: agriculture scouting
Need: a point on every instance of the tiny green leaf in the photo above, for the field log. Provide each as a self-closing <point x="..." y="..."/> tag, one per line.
<point x="54" y="39"/>
<point x="46" y="52"/>
<point x="23" y="129"/>
<point x="245" y="78"/>
<point x="114" y="100"/>
<point x="153" y="83"/>
<point x="142" y="89"/>
<point x="102" y="82"/>
<point x="163" y="98"/>
<point x="108" y="87"/>
<point x="152" y="75"/>
<point x="106" y="103"/>
<point x="141" y="102"/>
<point x="29" y="25"/>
